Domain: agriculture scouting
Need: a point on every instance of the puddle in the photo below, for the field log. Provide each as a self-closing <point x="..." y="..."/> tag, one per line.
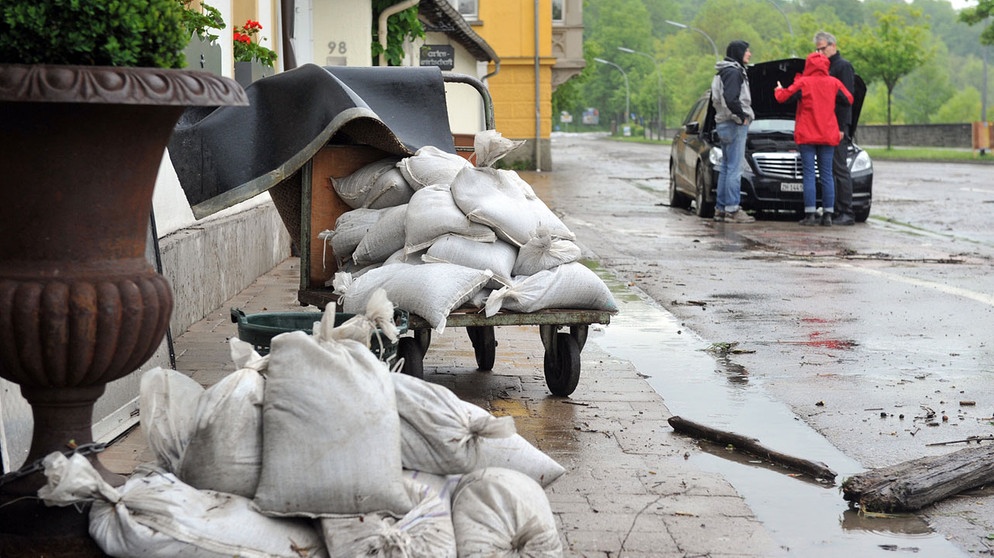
<point x="809" y="518"/>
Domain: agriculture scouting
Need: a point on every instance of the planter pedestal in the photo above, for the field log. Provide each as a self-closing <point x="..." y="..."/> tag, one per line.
<point x="79" y="304"/>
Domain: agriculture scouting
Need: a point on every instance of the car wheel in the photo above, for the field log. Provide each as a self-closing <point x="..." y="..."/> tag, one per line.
<point x="862" y="214"/>
<point x="704" y="209"/>
<point x="677" y="199"/>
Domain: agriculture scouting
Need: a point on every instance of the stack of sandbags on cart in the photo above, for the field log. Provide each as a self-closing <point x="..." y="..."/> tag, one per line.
<point x="317" y="449"/>
<point x="488" y="239"/>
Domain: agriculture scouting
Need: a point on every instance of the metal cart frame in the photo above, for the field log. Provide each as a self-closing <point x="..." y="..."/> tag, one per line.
<point x="318" y="205"/>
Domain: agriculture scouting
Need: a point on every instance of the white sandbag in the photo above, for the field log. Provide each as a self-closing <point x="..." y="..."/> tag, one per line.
<point x="424" y="532"/>
<point x="156" y="515"/>
<point x="432" y="213"/>
<point x="479" y="300"/>
<point x="401" y="256"/>
<point x="501" y="200"/>
<point x="517" y="453"/>
<point x="225" y="449"/>
<point x="168" y="403"/>
<point x="497" y="256"/>
<point x="350" y="228"/>
<point x="431" y="291"/>
<point x="366" y="186"/>
<point x="430" y="165"/>
<point x="383" y="238"/>
<point x="500" y="512"/>
<point x="440" y="433"/>
<point x="331" y="433"/>
<point x="543" y="251"/>
<point x="374" y="328"/>
<point x="489" y="146"/>
<point x="572" y="285"/>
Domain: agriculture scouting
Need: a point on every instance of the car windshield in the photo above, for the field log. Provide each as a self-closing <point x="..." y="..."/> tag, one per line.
<point x="771" y="125"/>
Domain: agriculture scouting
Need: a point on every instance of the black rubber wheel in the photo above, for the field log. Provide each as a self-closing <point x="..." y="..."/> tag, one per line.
<point x="704" y="208"/>
<point x="677" y="198"/>
<point x="409" y="349"/>
<point x="424" y="339"/>
<point x="862" y="214"/>
<point x="484" y="345"/>
<point x="562" y="365"/>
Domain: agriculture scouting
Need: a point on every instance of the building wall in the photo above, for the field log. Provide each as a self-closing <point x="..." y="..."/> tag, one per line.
<point x="509" y="27"/>
<point x="342" y="31"/>
<point x="917" y="135"/>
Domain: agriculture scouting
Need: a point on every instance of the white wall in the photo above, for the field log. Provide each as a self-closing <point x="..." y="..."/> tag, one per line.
<point x="342" y="23"/>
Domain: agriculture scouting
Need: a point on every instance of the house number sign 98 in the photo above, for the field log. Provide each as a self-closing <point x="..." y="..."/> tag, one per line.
<point x="339" y="47"/>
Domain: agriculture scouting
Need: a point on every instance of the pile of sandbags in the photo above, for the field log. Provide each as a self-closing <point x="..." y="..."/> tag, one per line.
<point x="314" y="450"/>
<point x="487" y="238"/>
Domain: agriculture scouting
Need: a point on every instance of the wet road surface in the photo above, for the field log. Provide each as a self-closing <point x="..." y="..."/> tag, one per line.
<point x="855" y="341"/>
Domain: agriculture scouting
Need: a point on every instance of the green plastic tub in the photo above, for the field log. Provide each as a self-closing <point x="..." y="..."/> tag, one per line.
<point x="259" y="329"/>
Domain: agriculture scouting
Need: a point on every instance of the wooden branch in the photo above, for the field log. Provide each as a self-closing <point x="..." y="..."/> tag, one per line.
<point x="752" y="446"/>
<point x="914" y="484"/>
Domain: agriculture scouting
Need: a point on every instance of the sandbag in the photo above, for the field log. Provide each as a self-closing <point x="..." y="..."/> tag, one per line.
<point x="350" y="228"/>
<point x="331" y="433"/>
<point x="503" y="513"/>
<point x="383" y="238"/>
<point x="430" y="165"/>
<point x="154" y="514"/>
<point x="168" y="401"/>
<point x="497" y="256"/>
<point x="225" y="448"/>
<point x="432" y="213"/>
<point x="424" y="532"/>
<point x="376" y="185"/>
<point x="501" y="200"/>
<point x="489" y="146"/>
<point x="431" y="291"/>
<point x="440" y="433"/>
<point x="543" y="251"/>
<point x="571" y="285"/>
<point x="517" y="453"/>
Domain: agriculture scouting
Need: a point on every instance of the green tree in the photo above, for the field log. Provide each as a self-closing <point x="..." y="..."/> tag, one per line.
<point x="977" y="14"/>
<point x="963" y="106"/>
<point x="926" y="89"/>
<point x="890" y="50"/>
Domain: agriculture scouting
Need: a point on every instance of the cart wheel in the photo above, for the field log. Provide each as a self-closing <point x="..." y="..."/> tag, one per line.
<point x="562" y="365"/>
<point x="484" y="345"/>
<point x="424" y="339"/>
<point x="409" y="349"/>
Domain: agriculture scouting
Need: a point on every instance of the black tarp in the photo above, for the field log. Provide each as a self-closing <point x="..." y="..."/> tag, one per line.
<point x="227" y="155"/>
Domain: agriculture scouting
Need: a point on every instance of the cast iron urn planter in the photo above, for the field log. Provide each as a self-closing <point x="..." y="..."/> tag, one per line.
<point x="80" y="306"/>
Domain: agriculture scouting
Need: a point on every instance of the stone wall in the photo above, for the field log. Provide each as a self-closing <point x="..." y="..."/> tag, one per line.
<point x="917" y="135"/>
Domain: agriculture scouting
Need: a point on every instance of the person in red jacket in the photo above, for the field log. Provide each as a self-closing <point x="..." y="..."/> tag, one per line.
<point x="816" y="131"/>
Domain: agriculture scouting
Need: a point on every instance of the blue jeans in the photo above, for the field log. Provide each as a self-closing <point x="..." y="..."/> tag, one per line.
<point x="825" y="154"/>
<point x="733" y="142"/>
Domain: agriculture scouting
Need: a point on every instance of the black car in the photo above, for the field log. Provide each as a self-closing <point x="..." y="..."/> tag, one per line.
<point x="771" y="179"/>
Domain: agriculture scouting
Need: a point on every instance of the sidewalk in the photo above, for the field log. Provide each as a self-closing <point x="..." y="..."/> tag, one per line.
<point x="627" y="492"/>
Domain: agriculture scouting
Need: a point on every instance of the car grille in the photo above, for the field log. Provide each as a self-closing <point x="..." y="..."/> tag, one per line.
<point x="779" y="165"/>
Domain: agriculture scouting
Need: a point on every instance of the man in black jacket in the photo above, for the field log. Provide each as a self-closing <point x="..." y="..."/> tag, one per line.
<point x="840" y="68"/>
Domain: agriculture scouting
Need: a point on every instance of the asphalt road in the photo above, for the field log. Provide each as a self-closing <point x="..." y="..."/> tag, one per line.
<point x="878" y="336"/>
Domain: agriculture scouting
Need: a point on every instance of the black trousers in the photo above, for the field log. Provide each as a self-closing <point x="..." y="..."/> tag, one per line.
<point x="843" y="180"/>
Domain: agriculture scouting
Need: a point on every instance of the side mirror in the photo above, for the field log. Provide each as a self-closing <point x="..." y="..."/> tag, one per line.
<point x="693" y="128"/>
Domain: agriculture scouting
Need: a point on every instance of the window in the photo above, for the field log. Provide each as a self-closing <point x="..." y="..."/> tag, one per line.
<point x="557" y="11"/>
<point x="467" y="8"/>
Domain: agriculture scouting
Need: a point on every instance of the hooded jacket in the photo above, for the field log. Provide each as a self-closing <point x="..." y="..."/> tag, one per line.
<point x="815" y="123"/>
<point x="730" y="87"/>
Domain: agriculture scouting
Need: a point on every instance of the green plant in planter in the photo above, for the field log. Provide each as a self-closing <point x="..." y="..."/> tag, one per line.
<point x="247" y="47"/>
<point x="201" y="21"/>
<point x="144" y="33"/>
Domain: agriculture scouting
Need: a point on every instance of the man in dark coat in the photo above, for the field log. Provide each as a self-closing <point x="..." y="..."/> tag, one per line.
<point x="841" y="69"/>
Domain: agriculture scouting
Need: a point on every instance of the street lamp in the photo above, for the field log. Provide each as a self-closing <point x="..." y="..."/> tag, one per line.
<point x="659" y="96"/>
<point x="790" y="28"/>
<point x="624" y="75"/>
<point x="706" y="36"/>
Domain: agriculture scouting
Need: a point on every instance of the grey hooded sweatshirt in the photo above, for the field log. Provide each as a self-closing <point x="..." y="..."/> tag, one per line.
<point x="730" y="86"/>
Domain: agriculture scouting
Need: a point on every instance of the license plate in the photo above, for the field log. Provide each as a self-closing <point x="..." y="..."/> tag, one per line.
<point x="791" y="187"/>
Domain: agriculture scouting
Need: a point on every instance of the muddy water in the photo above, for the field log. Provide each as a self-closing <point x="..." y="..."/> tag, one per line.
<point x="805" y="517"/>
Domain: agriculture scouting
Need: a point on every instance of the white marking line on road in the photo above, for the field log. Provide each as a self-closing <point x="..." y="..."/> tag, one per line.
<point x="973" y="295"/>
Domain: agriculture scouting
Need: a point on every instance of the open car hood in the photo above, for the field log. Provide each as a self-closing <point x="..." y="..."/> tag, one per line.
<point x="763" y="78"/>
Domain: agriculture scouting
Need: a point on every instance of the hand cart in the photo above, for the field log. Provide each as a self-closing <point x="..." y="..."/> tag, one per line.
<point x="319" y="209"/>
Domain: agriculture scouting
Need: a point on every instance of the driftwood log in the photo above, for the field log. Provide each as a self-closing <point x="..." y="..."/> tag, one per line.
<point x="752" y="446"/>
<point x="914" y="484"/>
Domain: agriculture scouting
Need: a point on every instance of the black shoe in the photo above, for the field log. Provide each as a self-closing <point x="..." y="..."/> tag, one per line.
<point x="844" y="221"/>
<point x="810" y="220"/>
<point x="826" y="220"/>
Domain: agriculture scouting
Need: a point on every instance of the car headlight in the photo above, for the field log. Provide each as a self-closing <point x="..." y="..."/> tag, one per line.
<point x="714" y="156"/>
<point x="862" y="162"/>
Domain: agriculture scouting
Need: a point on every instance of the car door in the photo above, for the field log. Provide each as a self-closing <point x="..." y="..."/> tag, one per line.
<point x="690" y="137"/>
